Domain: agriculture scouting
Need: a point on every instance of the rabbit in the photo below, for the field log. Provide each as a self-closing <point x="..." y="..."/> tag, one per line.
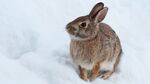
<point x="95" y="48"/>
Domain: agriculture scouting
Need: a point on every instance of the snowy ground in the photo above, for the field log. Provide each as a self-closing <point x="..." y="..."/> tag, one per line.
<point x="34" y="47"/>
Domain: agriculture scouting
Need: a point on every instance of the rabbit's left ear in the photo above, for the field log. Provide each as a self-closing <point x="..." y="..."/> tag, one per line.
<point x="101" y="15"/>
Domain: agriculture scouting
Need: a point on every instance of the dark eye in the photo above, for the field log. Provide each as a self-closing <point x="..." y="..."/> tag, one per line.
<point x="83" y="25"/>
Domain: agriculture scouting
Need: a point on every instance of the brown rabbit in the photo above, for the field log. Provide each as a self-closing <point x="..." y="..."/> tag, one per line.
<point x="94" y="46"/>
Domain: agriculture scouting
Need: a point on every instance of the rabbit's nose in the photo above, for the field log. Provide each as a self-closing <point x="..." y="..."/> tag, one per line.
<point x="72" y="30"/>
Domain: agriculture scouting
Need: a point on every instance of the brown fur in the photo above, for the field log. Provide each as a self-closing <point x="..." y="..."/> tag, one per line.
<point x="95" y="46"/>
<point x="83" y="73"/>
<point x="94" y="71"/>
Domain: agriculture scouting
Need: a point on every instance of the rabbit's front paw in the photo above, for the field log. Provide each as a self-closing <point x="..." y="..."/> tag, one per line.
<point x="84" y="77"/>
<point x="83" y="73"/>
<point x="105" y="74"/>
<point x="95" y="72"/>
<point x="92" y="78"/>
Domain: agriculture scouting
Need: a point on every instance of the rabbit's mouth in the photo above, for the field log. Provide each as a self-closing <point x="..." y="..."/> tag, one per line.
<point x="80" y="35"/>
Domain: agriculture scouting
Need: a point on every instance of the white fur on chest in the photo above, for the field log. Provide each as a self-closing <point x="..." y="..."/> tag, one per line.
<point x="87" y="66"/>
<point x="84" y="63"/>
<point x="103" y="66"/>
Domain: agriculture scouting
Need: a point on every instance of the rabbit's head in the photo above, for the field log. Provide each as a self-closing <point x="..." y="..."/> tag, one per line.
<point x="86" y="27"/>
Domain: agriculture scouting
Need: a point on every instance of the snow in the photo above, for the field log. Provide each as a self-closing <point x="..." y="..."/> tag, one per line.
<point x="34" y="46"/>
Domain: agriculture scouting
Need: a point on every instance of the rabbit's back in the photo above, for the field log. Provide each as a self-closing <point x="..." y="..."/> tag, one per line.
<point x="111" y="47"/>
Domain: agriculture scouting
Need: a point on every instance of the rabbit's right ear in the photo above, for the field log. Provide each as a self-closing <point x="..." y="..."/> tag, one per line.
<point x="96" y="9"/>
<point x="101" y="15"/>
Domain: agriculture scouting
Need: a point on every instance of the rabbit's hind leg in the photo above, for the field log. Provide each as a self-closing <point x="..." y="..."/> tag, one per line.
<point x="105" y="74"/>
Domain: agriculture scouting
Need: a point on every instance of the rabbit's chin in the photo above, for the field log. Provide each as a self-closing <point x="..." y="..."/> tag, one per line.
<point x="75" y="37"/>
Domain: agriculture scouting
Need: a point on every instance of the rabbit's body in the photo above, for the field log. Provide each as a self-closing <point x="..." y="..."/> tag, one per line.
<point x="104" y="48"/>
<point x="94" y="46"/>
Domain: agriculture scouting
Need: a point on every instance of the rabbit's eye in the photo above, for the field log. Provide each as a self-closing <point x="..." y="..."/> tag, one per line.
<point x="83" y="25"/>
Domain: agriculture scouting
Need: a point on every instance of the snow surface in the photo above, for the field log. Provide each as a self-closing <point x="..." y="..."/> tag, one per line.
<point x="34" y="46"/>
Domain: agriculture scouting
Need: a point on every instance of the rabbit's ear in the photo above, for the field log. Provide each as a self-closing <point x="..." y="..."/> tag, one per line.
<point x="96" y="9"/>
<point x="101" y="15"/>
